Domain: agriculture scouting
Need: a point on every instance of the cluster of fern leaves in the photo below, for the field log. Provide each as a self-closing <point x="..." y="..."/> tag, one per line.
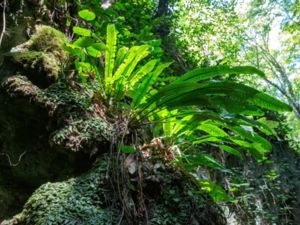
<point x="189" y="113"/>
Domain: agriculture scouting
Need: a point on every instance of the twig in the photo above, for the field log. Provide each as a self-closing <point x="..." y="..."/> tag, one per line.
<point x="9" y="160"/>
<point x="4" y="22"/>
<point x="121" y="217"/>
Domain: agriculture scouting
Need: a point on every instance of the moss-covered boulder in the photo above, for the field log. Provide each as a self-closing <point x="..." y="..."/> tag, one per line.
<point x="164" y="194"/>
<point x="42" y="57"/>
<point x="81" y="200"/>
<point x="27" y="159"/>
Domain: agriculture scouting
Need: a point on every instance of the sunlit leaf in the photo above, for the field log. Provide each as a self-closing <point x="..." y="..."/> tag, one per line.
<point x="215" y="191"/>
<point x="82" y="31"/>
<point x="87" y="15"/>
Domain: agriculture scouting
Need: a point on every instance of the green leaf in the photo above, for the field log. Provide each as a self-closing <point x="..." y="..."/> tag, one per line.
<point x="194" y="161"/>
<point x="201" y="74"/>
<point x="84" y="42"/>
<point x="96" y="49"/>
<point x="231" y="150"/>
<point x="189" y="93"/>
<point x="259" y="143"/>
<point x="93" y="52"/>
<point x="100" y="46"/>
<point x="268" y="102"/>
<point x="75" y="51"/>
<point x="82" y="31"/>
<point x="111" y="42"/>
<point x="212" y="130"/>
<point x="215" y="191"/>
<point x="120" y="56"/>
<point x="127" y="149"/>
<point x="135" y="55"/>
<point x="147" y="83"/>
<point x="239" y="141"/>
<point x="143" y="71"/>
<point x="267" y="126"/>
<point x="87" y="15"/>
<point x="83" y="66"/>
<point x="207" y="139"/>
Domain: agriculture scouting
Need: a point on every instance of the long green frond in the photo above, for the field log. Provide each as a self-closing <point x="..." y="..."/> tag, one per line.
<point x="111" y="43"/>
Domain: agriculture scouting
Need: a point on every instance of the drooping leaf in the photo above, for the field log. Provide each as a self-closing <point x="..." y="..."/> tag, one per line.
<point x="189" y="92"/>
<point x="265" y="101"/>
<point x="230" y="150"/>
<point x="194" y="161"/>
<point x="201" y="74"/>
<point x="212" y="130"/>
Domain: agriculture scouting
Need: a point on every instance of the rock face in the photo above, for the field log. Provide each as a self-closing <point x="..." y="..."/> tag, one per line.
<point x="27" y="158"/>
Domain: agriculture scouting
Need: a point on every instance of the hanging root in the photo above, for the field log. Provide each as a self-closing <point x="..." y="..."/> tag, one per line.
<point x="3" y="21"/>
<point x="151" y="189"/>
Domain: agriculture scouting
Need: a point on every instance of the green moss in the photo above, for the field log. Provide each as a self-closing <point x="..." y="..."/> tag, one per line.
<point x="42" y="55"/>
<point x="28" y="58"/>
<point x="77" y="201"/>
<point x="61" y="94"/>
<point x="80" y="128"/>
<point x="48" y="39"/>
<point x="83" y="134"/>
<point x="20" y="86"/>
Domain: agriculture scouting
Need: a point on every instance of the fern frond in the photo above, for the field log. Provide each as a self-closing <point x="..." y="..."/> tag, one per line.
<point x="205" y="73"/>
<point x="143" y="71"/>
<point x="142" y="89"/>
<point x="111" y="43"/>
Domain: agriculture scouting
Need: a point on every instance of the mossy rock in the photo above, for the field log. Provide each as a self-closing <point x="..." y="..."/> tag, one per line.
<point x="47" y="39"/>
<point x="80" y="200"/>
<point x="25" y="127"/>
<point x="42" y="56"/>
<point x="90" y="200"/>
